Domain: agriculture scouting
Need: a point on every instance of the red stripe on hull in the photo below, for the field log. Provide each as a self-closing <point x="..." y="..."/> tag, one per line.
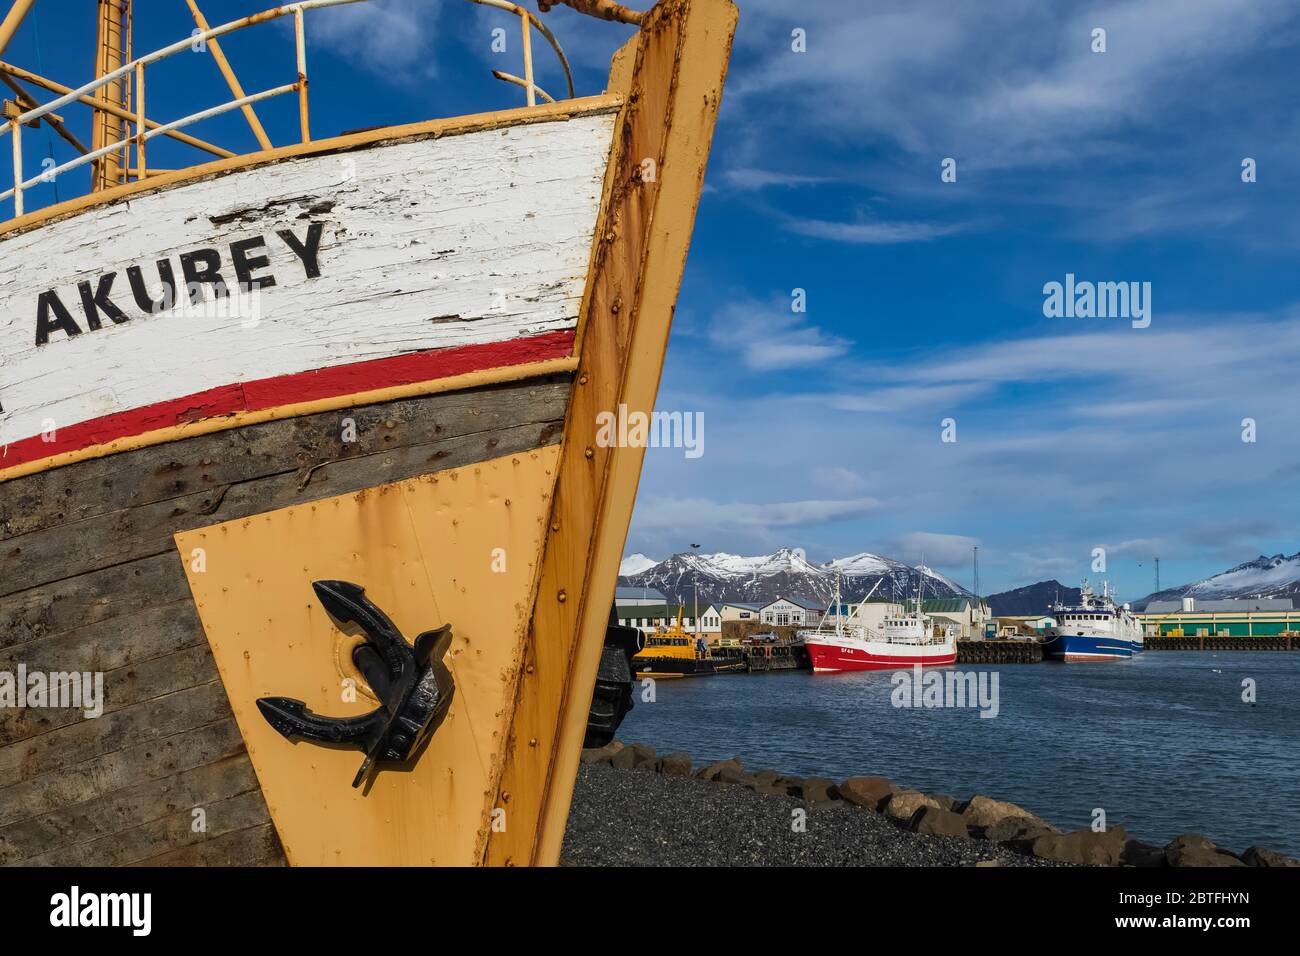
<point x="291" y="389"/>
<point x="842" y="659"/>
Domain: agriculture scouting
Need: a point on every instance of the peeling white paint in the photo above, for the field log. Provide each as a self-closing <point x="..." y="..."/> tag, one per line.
<point x="475" y="238"/>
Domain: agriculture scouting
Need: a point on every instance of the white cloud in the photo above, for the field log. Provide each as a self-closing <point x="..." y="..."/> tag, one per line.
<point x="392" y="38"/>
<point x="1008" y="84"/>
<point x="1155" y="412"/>
<point x="1115" y="140"/>
<point x="909" y="397"/>
<point x="937" y="549"/>
<point x="688" y="516"/>
<point x="768" y="336"/>
<point x="841" y="480"/>
<point x="744" y="178"/>
<point x="872" y="231"/>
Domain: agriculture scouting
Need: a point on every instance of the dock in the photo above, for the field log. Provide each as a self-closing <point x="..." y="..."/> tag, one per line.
<point x="999" y="652"/>
<point x="761" y="658"/>
<point x="1223" y="642"/>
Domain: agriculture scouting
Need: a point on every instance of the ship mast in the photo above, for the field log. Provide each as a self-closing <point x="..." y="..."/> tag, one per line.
<point x="112" y="51"/>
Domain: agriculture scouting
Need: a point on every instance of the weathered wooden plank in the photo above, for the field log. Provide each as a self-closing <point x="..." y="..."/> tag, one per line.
<point x="84" y="740"/>
<point x="208" y="463"/>
<point x="108" y="645"/>
<point x="125" y="587"/>
<point x="123" y="687"/>
<point x="130" y="807"/>
<point x="159" y="836"/>
<point x="150" y="760"/>
<point x="122" y="536"/>
<point x="93" y="598"/>
<point x="256" y="846"/>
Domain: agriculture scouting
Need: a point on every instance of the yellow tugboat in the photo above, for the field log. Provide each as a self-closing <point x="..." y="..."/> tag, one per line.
<point x="672" y="651"/>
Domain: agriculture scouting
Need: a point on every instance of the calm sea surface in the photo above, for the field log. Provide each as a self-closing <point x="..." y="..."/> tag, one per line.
<point x="1164" y="742"/>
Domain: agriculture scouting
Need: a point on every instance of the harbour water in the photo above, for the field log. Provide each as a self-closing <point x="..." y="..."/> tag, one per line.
<point x="1164" y="743"/>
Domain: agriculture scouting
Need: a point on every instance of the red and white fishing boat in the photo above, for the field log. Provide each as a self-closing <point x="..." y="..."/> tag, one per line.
<point x="904" y="640"/>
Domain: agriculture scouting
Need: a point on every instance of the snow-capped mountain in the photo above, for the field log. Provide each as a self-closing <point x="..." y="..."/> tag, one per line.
<point x="786" y="573"/>
<point x="1265" y="577"/>
<point x="635" y="564"/>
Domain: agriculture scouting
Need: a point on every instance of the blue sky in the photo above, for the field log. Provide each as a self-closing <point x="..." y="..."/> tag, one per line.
<point x="925" y="301"/>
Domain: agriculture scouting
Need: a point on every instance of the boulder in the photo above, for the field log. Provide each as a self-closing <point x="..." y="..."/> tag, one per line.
<point x="635" y="757"/>
<point x="737" y="778"/>
<point x="768" y="782"/>
<point x="768" y="788"/>
<point x="1086" y="847"/>
<point x="819" y="790"/>
<point x="711" y="771"/>
<point x="939" y="821"/>
<point x="1258" y="856"/>
<point x="902" y="806"/>
<point x="676" y="765"/>
<point x="1137" y="853"/>
<point x="945" y="802"/>
<point x="1192" y="849"/>
<point x="601" y="755"/>
<point x="1014" y="830"/>
<point x="868" y="792"/>
<point x="734" y="775"/>
<point x="793" y="786"/>
<point x="982" y="811"/>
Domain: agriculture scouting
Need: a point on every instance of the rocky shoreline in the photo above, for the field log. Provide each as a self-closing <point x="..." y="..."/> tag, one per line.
<point x="632" y="807"/>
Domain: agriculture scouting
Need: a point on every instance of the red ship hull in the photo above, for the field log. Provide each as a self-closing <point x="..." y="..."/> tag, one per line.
<point x="832" y="657"/>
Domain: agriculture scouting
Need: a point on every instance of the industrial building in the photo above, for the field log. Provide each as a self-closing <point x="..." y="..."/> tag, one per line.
<point x="650" y="617"/>
<point x="1238" y="617"/>
<point x="625" y="595"/>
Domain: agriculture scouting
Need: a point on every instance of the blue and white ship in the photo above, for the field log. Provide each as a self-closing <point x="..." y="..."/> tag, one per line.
<point x="1095" y="629"/>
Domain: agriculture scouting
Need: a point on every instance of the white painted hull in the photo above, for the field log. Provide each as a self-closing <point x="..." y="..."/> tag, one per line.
<point x="400" y="262"/>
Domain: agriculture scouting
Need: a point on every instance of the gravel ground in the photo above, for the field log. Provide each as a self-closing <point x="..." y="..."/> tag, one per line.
<point x="639" y="818"/>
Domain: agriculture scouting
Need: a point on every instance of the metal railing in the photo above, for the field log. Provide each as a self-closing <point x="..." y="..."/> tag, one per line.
<point x="145" y="130"/>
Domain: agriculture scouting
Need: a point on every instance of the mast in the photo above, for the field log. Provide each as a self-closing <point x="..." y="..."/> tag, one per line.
<point x="839" y="620"/>
<point x="13" y="19"/>
<point x="112" y="50"/>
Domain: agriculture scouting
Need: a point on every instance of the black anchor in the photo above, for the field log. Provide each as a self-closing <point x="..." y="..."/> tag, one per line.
<point x="413" y="685"/>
